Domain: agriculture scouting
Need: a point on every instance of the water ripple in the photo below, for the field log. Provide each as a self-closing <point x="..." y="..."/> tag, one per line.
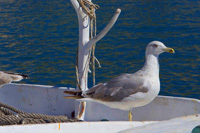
<point x="40" y="38"/>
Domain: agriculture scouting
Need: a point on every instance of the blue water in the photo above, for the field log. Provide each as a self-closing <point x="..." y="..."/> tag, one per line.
<point x="40" y="38"/>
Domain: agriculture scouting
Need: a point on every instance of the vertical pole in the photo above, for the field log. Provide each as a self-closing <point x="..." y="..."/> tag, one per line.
<point x="83" y="55"/>
<point x="83" y="61"/>
<point x="84" y="28"/>
<point x="85" y="45"/>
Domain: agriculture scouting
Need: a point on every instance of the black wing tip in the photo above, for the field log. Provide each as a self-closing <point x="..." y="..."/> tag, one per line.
<point x="25" y="76"/>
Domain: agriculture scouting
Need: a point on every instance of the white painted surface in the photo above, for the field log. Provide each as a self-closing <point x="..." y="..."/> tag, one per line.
<point x="49" y="100"/>
<point x="83" y="127"/>
<point x="178" y="125"/>
<point x="162" y="108"/>
<point x="37" y="99"/>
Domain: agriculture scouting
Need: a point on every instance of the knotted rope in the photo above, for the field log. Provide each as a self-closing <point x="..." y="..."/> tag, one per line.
<point x="10" y="116"/>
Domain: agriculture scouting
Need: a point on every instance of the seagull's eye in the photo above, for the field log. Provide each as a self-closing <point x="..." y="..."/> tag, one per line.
<point x="155" y="46"/>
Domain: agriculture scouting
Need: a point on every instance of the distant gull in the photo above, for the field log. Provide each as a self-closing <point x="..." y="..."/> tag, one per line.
<point x="8" y="77"/>
<point x="129" y="90"/>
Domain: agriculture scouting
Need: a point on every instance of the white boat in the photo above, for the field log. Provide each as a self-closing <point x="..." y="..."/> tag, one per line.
<point x="164" y="114"/>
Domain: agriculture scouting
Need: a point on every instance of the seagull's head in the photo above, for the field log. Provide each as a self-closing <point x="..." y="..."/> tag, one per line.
<point x="156" y="48"/>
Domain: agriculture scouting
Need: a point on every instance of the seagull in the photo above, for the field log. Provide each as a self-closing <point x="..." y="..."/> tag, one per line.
<point x="8" y="77"/>
<point x="131" y="90"/>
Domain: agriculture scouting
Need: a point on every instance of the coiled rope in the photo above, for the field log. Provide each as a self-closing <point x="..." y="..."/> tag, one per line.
<point x="11" y="116"/>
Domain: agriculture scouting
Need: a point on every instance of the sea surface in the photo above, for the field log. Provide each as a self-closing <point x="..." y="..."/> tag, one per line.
<point x="40" y="37"/>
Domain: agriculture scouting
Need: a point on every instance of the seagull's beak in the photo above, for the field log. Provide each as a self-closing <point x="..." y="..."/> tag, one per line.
<point x="170" y="50"/>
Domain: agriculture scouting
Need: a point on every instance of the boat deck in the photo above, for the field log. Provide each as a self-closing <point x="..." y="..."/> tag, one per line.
<point x="167" y="114"/>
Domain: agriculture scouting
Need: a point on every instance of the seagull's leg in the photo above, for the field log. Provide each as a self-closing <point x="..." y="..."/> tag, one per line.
<point x="130" y="115"/>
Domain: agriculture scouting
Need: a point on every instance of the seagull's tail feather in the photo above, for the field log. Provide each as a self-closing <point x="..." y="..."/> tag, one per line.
<point x="76" y="94"/>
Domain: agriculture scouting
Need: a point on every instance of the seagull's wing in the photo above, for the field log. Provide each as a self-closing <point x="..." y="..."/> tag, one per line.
<point x="8" y="77"/>
<point x="117" y="88"/>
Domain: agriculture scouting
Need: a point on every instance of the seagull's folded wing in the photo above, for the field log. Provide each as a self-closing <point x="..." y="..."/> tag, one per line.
<point x="117" y="88"/>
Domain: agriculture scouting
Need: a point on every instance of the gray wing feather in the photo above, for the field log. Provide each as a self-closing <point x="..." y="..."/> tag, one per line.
<point x="117" y="88"/>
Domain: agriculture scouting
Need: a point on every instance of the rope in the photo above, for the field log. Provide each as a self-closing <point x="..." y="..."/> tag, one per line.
<point x="10" y="116"/>
<point x="89" y="7"/>
<point x="6" y="111"/>
<point x="77" y="75"/>
<point x="10" y="108"/>
<point x="93" y="22"/>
